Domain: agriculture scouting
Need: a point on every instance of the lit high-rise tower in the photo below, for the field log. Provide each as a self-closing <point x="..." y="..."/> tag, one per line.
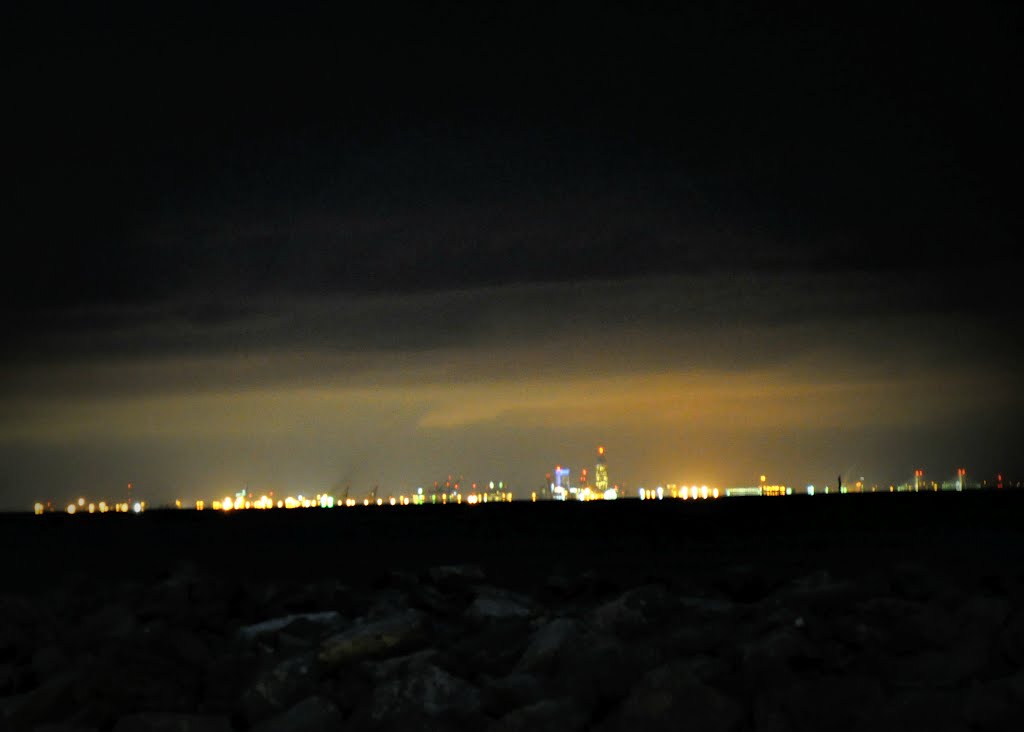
<point x="601" y="472"/>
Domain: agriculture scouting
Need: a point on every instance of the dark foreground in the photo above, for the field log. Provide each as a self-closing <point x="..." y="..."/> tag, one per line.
<point x="848" y="612"/>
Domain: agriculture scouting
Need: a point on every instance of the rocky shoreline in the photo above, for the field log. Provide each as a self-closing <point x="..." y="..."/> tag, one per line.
<point x="761" y="645"/>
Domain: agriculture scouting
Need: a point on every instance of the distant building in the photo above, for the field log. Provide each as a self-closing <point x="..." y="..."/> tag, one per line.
<point x="601" y="472"/>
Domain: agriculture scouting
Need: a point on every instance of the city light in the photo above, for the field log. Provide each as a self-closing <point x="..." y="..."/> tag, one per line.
<point x="559" y="486"/>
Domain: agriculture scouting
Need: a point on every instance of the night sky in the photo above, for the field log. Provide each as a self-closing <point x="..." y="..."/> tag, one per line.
<point x="303" y="249"/>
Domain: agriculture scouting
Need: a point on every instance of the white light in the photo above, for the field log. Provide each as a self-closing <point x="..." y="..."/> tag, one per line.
<point x="137" y="508"/>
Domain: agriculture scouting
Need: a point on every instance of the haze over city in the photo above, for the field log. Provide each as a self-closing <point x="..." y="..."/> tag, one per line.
<point x="299" y="251"/>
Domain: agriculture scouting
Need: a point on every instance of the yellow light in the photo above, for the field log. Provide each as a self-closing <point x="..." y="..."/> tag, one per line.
<point x="380" y="501"/>
<point x="177" y="503"/>
<point x="38" y="509"/>
<point x="703" y="491"/>
<point x="81" y="501"/>
<point x="72" y="508"/>
<point x="200" y="505"/>
<point x="226" y="503"/>
<point x="217" y="505"/>
<point x="92" y="508"/>
<point x="714" y="493"/>
<point x="392" y="500"/>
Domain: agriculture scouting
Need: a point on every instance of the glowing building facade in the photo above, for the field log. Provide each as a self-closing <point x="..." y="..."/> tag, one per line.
<point x="601" y="472"/>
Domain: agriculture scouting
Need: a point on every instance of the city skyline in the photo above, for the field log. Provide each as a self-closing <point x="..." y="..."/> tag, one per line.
<point x="304" y="248"/>
<point x="563" y="482"/>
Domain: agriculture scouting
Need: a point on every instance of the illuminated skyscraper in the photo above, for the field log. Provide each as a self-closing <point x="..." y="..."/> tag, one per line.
<point x="601" y="472"/>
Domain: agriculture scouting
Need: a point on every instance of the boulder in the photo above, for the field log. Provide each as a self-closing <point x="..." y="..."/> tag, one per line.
<point x="388" y="635"/>
<point x="313" y="714"/>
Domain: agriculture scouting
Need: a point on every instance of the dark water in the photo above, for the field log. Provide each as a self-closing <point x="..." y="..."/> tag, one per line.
<point x="523" y="543"/>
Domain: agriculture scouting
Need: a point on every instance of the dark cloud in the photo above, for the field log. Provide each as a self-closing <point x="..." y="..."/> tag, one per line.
<point x="264" y="149"/>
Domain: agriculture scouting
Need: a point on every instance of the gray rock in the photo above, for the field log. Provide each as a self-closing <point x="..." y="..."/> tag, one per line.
<point x="500" y="696"/>
<point x="697" y="608"/>
<point x="547" y="643"/>
<point x="817" y="703"/>
<point x="668" y="698"/>
<point x="492" y="603"/>
<point x="603" y="668"/>
<point x="427" y="690"/>
<point x="110" y="622"/>
<point x="463" y="574"/>
<point x="133" y="676"/>
<point x="637" y="611"/>
<point x="772" y="659"/>
<point x="47" y="661"/>
<point x="548" y="715"/>
<point x="281" y="686"/>
<point x="490" y="649"/>
<point x="919" y="582"/>
<point x="48" y="702"/>
<point x="904" y="626"/>
<point x="266" y="627"/>
<point x="313" y="714"/>
<point x="386" y="636"/>
<point x="157" y="722"/>
<point x="992" y="707"/>
<point x="820" y="593"/>
<point x="8" y="678"/>
<point x="391" y="667"/>
<point x="984" y="612"/>
<point x="1011" y="638"/>
<point x="226" y="676"/>
<point x="943" y="667"/>
<point x="936" y="711"/>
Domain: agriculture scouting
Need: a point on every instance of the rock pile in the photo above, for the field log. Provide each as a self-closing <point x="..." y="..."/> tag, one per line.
<point x="452" y="648"/>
